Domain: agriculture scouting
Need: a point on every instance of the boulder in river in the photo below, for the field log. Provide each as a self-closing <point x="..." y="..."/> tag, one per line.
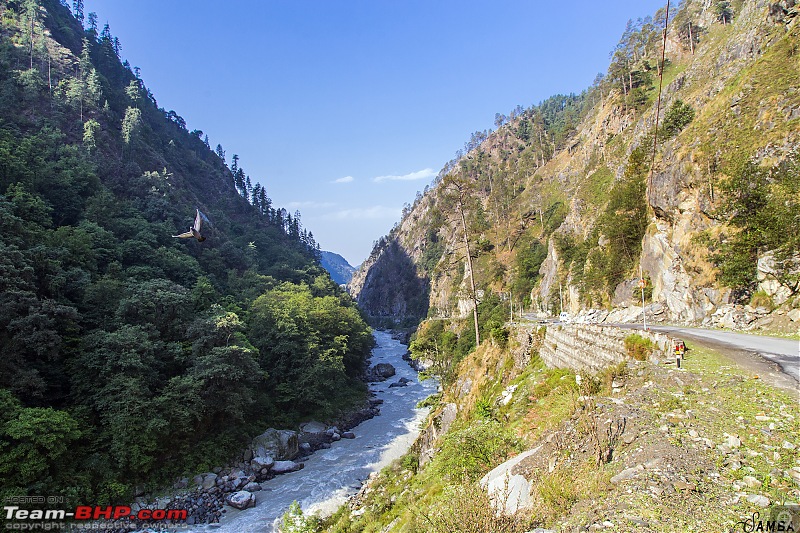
<point x="280" y="444"/>
<point x="284" y="467"/>
<point x="380" y="372"/>
<point x="258" y="462"/>
<point x="252" y="487"/>
<point x="241" y="499"/>
<point x="313" y="427"/>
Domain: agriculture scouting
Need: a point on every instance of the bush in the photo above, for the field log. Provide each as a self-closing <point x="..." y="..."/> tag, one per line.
<point x="762" y="299"/>
<point x="294" y="521"/>
<point x="468" y="509"/>
<point x="638" y="347"/>
<point x="680" y="114"/>
<point x="469" y="452"/>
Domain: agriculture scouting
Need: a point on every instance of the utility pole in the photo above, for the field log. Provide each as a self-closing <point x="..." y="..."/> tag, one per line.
<point x="642" y="284"/>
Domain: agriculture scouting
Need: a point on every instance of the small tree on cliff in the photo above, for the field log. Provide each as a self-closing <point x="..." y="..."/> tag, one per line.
<point x="457" y="195"/>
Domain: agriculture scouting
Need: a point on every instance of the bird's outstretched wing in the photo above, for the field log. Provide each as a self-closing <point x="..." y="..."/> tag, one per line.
<point x="198" y="221"/>
<point x="187" y="235"/>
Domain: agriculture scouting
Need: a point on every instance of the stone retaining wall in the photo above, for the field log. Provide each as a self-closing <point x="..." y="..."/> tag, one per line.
<point x="593" y="347"/>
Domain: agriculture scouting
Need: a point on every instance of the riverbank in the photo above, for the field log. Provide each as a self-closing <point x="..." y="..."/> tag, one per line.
<point x="332" y="474"/>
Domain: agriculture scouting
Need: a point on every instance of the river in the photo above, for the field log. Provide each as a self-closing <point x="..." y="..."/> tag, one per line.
<point x="331" y="476"/>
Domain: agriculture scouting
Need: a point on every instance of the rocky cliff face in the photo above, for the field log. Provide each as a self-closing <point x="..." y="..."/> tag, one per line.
<point x="388" y="288"/>
<point x="740" y="79"/>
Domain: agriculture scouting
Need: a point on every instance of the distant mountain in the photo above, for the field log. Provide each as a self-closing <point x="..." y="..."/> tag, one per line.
<point x="340" y="270"/>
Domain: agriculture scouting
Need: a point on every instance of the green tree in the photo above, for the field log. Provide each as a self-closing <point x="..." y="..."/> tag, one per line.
<point x="31" y="10"/>
<point x="131" y="124"/>
<point x="458" y="195"/>
<point x="310" y="346"/>
<point x="760" y="206"/>
<point x="679" y="115"/>
<point x="724" y="11"/>
<point x="133" y="92"/>
<point x="90" y="129"/>
<point x="35" y="445"/>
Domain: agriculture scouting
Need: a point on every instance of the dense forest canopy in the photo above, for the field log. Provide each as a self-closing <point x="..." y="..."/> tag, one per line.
<point x="129" y="356"/>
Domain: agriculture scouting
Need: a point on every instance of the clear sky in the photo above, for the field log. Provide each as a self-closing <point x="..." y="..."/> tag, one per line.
<point x="345" y="109"/>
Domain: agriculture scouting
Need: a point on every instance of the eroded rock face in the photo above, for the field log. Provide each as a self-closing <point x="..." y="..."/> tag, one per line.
<point x="509" y="491"/>
<point x="439" y="426"/>
<point x="389" y="286"/>
<point x="681" y="196"/>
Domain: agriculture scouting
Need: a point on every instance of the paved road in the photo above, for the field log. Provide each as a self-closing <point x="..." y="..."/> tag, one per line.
<point x="783" y="352"/>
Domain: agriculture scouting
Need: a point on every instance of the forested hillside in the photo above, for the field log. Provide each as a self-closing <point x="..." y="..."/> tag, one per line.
<point x="130" y="356"/>
<point x="566" y="205"/>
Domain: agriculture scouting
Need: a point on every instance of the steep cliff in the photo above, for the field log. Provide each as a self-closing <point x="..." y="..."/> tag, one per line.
<point x="568" y="204"/>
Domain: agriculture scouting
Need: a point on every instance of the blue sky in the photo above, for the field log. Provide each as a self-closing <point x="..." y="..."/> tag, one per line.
<point x="345" y="109"/>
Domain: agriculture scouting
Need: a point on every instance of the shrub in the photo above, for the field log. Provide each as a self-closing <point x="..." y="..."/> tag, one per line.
<point x="680" y="114"/>
<point x="468" y="509"/>
<point x="294" y="521"/>
<point x="762" y="299"/>
<point x="469" y="452"/>
<point x="638" y="347"/>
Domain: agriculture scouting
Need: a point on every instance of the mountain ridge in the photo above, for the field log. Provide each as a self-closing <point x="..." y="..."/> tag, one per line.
<point x="548" y="186"/>
<point x="337" y="266"/>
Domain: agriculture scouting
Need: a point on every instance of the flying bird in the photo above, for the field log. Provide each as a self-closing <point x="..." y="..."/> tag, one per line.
<point x="194" y="231"/>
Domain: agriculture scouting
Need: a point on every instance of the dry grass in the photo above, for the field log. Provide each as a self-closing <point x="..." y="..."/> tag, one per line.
<point x="467" y="509"/>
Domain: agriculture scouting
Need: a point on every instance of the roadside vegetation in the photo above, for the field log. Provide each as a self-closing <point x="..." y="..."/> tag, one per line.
<point x="637" y="445"/>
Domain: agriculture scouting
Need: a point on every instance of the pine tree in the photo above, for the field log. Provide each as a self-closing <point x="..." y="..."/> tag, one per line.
<point x="133" y="92"/>
<point x="458" y="195"/>
<point x="131" y="123"/>
<point x="238" y="180"/>
<point x="31" y="8"/>
<point x="255" y="199"/>
<point x="92" y="30"/>
<point x="77" y="10"/>
<point x="264" y="202"/>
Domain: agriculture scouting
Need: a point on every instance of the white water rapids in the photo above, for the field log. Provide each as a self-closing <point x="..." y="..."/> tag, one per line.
<point x="331" y="476"/>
